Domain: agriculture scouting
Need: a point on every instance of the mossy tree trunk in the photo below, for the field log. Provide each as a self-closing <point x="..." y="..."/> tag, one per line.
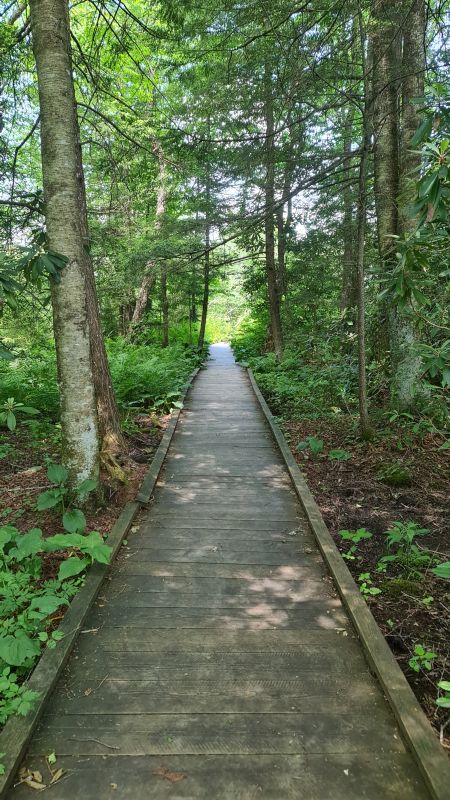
<point x="64" y="221"/>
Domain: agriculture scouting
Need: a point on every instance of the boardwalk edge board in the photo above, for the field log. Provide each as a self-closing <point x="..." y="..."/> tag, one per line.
<point x="416" y="730"/>
<point x="16" y="735"/>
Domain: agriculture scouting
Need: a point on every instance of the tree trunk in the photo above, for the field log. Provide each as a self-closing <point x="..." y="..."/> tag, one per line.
<point x="271" y="275"/>
<point x="142" y="299"/>
<point x="407" y="365"/>
<point x="386" y="40"/>
<point x="206" y="267"/>
<point x="64" y="222"/>
<point x="392" y="178"/>
<point x="164" y="307"/>
<point x="150" y="271"/>
<point x="361" y="215"/>
<point x="349" y="277"/>
<point x="111" y="438"/>
<point x="282" y="225"/>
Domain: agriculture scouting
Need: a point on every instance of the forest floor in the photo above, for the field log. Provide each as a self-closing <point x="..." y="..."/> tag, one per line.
<point x="413" y="607"/>
<point x="23" y="476"/>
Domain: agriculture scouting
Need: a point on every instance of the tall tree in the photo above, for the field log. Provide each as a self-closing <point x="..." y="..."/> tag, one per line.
<point x="269" y="211"/>
<point x="111" y="439"/>
<point x="149" y="276"/>
<point x="406" y="361"/>
<point x="399" y="65"/>
<point x="65" y="231"/>
<point x="207" y="260"/>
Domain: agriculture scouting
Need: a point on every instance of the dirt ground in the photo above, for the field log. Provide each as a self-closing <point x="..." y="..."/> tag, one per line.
<point x="23" y="476"/>
<point x="353" y="494"/>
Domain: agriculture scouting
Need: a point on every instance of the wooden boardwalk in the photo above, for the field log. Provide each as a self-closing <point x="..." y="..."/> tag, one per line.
<point x="219" y="663"/>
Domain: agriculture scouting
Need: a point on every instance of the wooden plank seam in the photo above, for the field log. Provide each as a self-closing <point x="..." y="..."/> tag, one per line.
<point x="414" y="726"/>
<point x="16" y="735"/>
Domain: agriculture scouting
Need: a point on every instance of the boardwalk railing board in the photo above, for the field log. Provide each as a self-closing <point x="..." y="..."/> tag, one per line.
<point x="17" y="733"/>
<point x="417" y="732"/>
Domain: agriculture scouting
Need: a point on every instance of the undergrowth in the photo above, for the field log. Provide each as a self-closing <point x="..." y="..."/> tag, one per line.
<point x="141" y="374"/>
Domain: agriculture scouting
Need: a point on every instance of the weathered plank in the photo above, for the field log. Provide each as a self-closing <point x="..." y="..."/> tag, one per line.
<point x="160" y="734"/>
<point x="218" y="647"/>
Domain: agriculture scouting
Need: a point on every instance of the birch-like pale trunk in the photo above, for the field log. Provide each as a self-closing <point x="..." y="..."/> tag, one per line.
<point x="63" y="216"/>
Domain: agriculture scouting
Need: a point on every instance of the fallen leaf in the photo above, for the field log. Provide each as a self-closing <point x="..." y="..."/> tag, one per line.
<point x="34" y="784"/>
<point x="167" y="775"/>
<point x="56" y="776"/>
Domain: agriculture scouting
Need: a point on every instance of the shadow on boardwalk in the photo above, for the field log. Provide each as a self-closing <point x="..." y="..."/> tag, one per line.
<point x="219" y="663"/>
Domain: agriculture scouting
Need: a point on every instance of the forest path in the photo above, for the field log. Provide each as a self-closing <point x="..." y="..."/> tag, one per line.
<point x="219" y="663"/>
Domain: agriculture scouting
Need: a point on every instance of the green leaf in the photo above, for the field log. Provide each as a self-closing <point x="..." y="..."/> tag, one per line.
<point x="423" y="132"/>
<point x="427" y="183"/>
<point x="18" y="650"/>
<point x="339" y="455"/>
<point x="28" y="544"/>
<point x="94" y="546"/>
<point x="7" y="534"/>
<point x="56" y="473"/>
<point x="47" y="604"/>
<point x="71" y="567"/>
<point x="442" y="570"/>
<point x="64" y="541"/>
<point x="48" y="499"/>
<point x="11" y="420"/>
<point x="86" y="487"/>
<point x="74" y="521"/>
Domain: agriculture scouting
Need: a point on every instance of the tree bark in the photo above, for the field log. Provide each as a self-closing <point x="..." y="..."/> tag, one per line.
<point x="397" y="68"/>
<point x="164" y="307"/>
<point x="349" y="277"/>
<point x="386" y="51"/>
<point x="269" y="191"/>
<point x="64" y="222"/>
<point x="206" y="266"/>
<point x="111" y="438"/>
<point x="142" y="299"/>
<point x="407" y="365"/>
<point x="149" y="277"/>
<point x="361" y="215"/>
<point x="282" y="224"/>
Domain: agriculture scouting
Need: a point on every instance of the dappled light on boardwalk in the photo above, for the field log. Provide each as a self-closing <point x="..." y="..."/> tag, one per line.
<point x="219" y="649"/>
